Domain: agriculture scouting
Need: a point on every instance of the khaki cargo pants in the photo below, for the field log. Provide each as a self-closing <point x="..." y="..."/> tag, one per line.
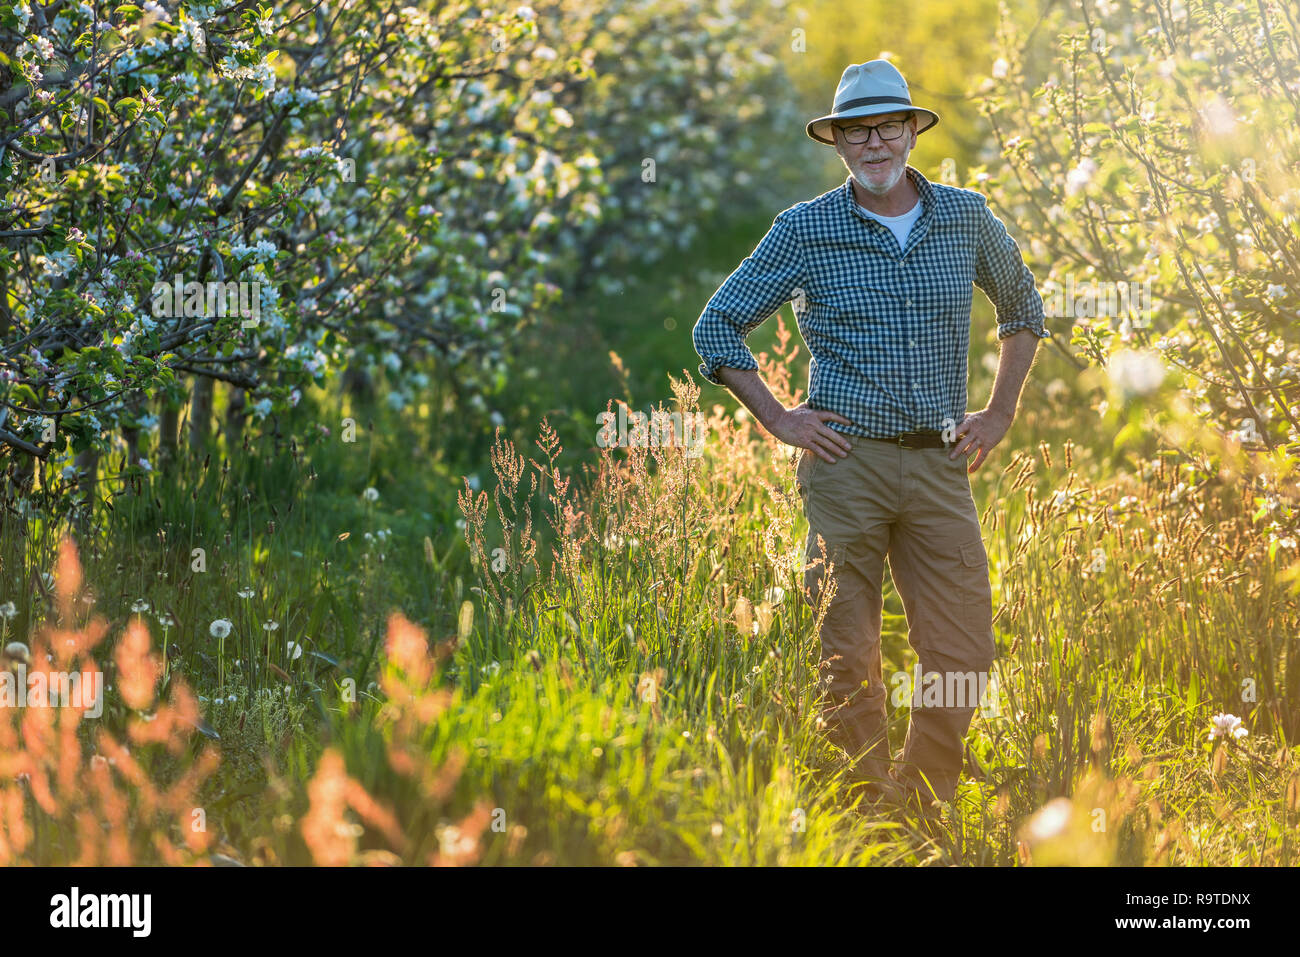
<point x="915" y="507"/>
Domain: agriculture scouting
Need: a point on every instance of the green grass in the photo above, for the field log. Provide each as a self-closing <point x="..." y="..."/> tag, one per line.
<point x="1106" y="673"/>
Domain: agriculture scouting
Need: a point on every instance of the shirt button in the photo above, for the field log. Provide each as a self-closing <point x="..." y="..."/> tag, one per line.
<point x="916" y="385"/>
<point x="911" y="343"/>
<point x="909" y="302"/>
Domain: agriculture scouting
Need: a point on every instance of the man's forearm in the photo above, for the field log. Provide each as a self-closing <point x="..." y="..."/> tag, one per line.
<point x="748" y="386"/>
<point x="801" y="427"/>
<point x="1014" y="360"/>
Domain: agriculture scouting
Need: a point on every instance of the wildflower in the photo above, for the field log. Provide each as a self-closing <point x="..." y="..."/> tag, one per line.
<point x="1098" y="561"/>
<point x="1227" y="726"/>
<point x="139" y="605"/>
<point x="220" y="628"/>
<point x="370" y="494"/>
<point x="7" y="610"/>
<point x="245" y="593"/>
<point x="294" y="651"/>
<point x="776" y="594"/>
<point x="270" y="625"/>
<point x="1000" y="67"/>
<point x="166" y="620"/>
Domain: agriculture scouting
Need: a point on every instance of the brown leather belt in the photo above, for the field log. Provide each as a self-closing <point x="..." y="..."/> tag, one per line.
<point x="913" y="440"/>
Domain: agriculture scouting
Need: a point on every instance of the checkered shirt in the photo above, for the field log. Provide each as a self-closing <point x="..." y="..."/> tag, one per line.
<point x="887" y="329"/>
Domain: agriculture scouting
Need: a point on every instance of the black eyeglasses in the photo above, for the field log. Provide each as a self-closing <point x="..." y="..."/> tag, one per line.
<point x="887" y="131"/>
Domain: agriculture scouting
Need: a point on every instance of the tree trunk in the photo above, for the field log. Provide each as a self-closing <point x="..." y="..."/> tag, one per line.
<point x="357" y="384"/>
<point x="235" y="416"/>
<point x="168" y="425"/>
<point x="87" y="465"/>
<point x="200" y="414"/>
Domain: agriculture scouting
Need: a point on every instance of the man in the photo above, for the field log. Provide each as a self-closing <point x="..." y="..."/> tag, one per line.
<point x="881" y="270"/>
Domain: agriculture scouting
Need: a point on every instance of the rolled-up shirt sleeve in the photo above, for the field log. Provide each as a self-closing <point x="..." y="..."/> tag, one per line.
<point x="1000" y="271"/>
<point x="768" y="278"/>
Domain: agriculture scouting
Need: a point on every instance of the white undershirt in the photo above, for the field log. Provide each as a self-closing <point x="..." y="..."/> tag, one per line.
<point x="900" y="225"/>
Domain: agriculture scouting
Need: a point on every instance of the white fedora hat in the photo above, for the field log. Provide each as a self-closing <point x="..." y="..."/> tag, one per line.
<point x="868" y="89"/>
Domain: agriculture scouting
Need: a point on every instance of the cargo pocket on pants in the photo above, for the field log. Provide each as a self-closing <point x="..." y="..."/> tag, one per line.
<point x="977" y="601"/>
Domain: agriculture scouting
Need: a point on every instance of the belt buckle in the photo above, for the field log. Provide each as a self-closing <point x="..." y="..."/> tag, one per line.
<point x="902" y="441"/>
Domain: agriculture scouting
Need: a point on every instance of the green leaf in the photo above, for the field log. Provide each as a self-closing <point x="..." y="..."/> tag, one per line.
<point x="23" y="395"/>
<point x="329" y="660"/>
<point x="1130" y="434"/>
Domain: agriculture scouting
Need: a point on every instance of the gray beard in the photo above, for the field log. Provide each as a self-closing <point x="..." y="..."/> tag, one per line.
<point x="882" y="189"/>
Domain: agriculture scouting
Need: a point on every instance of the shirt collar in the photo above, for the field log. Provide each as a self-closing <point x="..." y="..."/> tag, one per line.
<point x="918" y="180"/>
